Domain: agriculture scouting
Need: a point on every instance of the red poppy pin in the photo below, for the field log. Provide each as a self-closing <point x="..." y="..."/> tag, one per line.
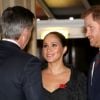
<point x="62" y="86"/>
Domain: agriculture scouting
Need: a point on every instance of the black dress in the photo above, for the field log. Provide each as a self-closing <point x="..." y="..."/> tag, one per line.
<point x="75" y="89"/>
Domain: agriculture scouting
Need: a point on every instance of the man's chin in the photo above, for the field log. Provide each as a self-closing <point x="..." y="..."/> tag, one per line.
<point x="93" y="45"/>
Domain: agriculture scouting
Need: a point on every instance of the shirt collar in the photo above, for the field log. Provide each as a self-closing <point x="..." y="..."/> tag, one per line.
<point x="10" y="40"/>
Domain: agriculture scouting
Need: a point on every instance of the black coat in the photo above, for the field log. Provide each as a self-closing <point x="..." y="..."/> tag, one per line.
<point x="94" y="83"/>
<point x="20" y="76"/>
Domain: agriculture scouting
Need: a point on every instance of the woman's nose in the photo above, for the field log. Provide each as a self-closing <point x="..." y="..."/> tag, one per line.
<point x="49" y="49"/>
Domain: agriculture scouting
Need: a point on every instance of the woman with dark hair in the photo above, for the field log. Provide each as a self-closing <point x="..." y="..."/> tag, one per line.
<point x="60" y="82"/>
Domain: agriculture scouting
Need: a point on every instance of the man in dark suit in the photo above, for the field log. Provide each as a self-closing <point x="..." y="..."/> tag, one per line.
<point x="20" y="76"/>
<point x="92" y="24"/>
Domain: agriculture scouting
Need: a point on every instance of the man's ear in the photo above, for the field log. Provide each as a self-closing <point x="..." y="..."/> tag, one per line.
<point x="22" y="38"/>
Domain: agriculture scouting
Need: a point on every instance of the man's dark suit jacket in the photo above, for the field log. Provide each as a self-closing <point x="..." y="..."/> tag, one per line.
<point x="20" y="77"/>
<point x="94" y="87"/>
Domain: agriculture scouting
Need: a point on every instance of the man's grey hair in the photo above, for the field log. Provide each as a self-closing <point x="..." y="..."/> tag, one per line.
<point x="14" y="20"/>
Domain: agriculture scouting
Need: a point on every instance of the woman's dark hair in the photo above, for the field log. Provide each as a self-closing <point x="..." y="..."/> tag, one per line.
<point x="60" y="37"/>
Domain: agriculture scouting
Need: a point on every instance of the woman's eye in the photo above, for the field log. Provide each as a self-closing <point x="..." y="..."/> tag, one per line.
<point x="44" y="46"/>
<point x="54" y="45"/>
